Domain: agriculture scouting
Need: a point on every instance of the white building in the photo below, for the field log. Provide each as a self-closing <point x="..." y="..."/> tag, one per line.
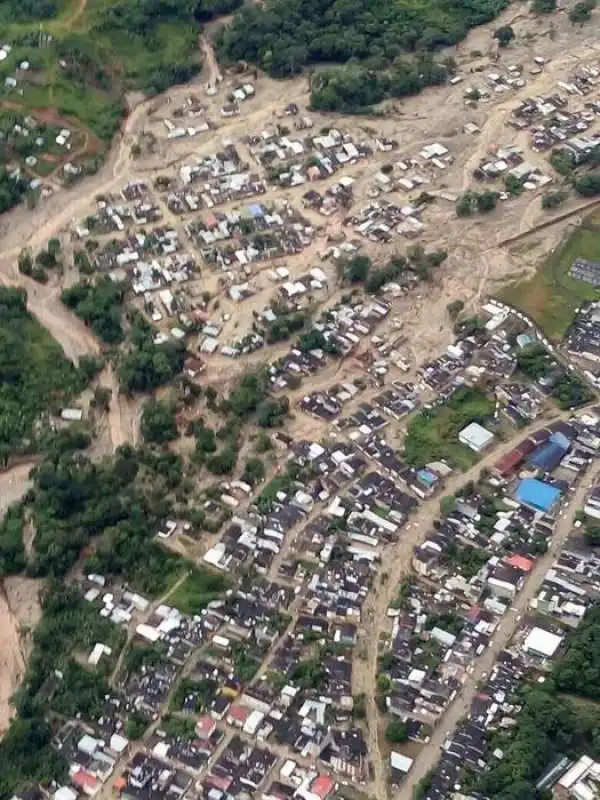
<point x="476" y="437"/>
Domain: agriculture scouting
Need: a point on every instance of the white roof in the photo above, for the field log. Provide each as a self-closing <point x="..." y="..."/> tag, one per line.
<point x="88" y="744"/>
<point x="65" y="793"/>
<point x="543" y="642"/>
<point x="475" y="435"/>
<point x="148" y="632"/>
<point x="400" y="762"/>
<point x="118" y="743"/>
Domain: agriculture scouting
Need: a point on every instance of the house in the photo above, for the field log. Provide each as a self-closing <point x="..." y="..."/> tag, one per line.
<point x="541" y="643"/>
<point x="476" y="437"/>
<point x="537" y="495"/>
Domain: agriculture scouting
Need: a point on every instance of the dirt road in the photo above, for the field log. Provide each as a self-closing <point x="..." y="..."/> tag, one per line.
<point x="397" y="563"/>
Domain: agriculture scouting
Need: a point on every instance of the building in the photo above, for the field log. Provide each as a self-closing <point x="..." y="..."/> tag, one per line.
<point x="549" y="455"/>
<point x="584" y="270"/>
<point x="541" y="643"/>
<point x="476" y="437"/>
<point x="537" y="495"/>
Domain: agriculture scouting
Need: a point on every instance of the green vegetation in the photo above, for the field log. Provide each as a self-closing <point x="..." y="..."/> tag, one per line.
<point x="145" y="365"/>
<point x="396" y="732"/>
<point x="282" y="37"/>
<point x="504" y="35"/>
<point x="86" y="60"/>
<point x="416" y="261"/>
<point x="26" y="756"/>
<point x="578" y="672"/>
<point x="245" y="663"/>
<point x="202" y="692"/>
<point x="471" y="202"/>
<point x="181" y="728"/>
<point x="553" y="200"/>
<point x="568" y="389"/>
<point x="588" y="185"/>
<point x="549" y="725"/>
<point x="581" y="12"/>
<point x="68" y="623"/>
<point x="35" y="376"/>
<point x="551" y="296"/>
<point x="198" y="589"/>
<point x="468" y="560"/>
<point x="254" y="471"/>
<point x="158" y="423"/>
<point x="454" y="308"/>
<point x="310" y="674"/>
<point x="433" y="434"/>
<point x="99" y="306"/>
<point x="136" y="726"/>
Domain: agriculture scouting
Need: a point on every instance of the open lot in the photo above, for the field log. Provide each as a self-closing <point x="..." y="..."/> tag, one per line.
<point x="433" y="434"/>
<point x="551" y="296"/>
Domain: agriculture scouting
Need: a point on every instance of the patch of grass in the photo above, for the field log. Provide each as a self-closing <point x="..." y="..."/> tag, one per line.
<point x="35" y="375"/>
<point x="199" y="589"/>
<point x="433" y="434"/>
<point x="551" y="297"/>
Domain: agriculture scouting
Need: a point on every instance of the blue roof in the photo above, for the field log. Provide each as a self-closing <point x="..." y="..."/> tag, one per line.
<point x="427" y="476"/>
<point x="256" y="210"/>
<point x="549" y="455"/>
<point x="537" y="494"/>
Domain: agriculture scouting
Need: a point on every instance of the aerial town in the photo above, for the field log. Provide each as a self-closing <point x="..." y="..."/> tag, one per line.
<point x="299" y="401"/>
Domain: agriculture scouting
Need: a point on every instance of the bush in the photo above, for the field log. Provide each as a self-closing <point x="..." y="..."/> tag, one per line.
<point x="396" y="732"/>
<point x="588" y="185"/>
<point x="553" y="200"/>
<point x="504" y="35"/>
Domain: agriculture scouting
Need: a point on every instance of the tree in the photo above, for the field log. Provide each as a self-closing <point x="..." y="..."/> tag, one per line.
<point x="486" y="202"/>
<point x="592" y="535"/>
<point x="447" y="505"/>
<point x="99" y="305"/>
<point x="357" y="269"/>
<point x="270" y="413"/>
<point x="101" y="398"/>
<point x="25" y="262"/>
<point x="544" y="6"/>
<point x="254" y="471"/>
<point x="158" y="424"/>
<point x="588" y="185"/>
<point x="581" y="12"/>
<point x="464" y="205"/>
<point x="553" y="200"/>
<point x="504" y="35"/>
<point x="223" y="462"/>
<point x="396" y="732"/>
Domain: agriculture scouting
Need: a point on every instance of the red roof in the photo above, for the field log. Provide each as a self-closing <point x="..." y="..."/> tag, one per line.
<point x="205" y="726"/>
<point x="509" y="463"/>
<point x="322" y="786"/>
<point x="239" y="713"/>
<point x="519" y="562"/>
<point x="474" y="612"/>
<point x="219" y="781"/>
<point x="81" y="779"/>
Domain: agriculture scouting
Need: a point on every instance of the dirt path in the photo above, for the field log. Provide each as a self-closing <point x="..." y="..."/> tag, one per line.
<point x="397" y="563"/>
<point x="214" y="73"/>
<point x="77" y="13"/>
<point x="502" y="636"/>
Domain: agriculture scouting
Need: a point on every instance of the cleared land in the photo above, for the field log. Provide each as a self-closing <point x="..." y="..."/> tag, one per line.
<point x="551" y="296"/>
